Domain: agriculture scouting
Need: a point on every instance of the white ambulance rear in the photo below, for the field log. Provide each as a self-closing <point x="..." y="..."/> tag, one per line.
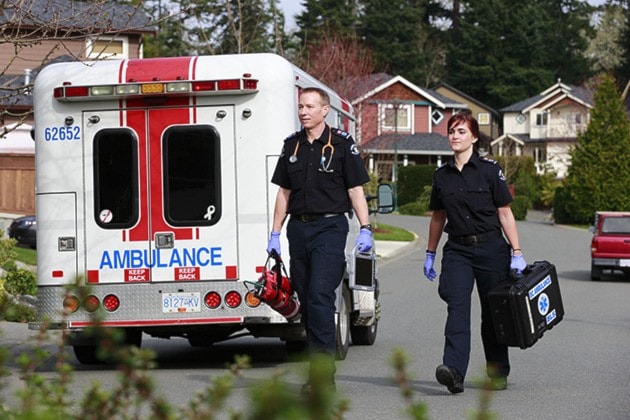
<point x="153" y="188"/>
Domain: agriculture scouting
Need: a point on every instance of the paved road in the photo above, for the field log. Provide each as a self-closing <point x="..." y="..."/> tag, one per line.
<point x="579" y="370"/>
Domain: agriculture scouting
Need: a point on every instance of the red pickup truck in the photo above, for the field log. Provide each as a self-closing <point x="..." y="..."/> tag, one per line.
<point x="610" y="246"/>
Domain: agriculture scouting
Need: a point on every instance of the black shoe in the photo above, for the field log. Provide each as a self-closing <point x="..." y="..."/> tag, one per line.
<point x="497" y="383"/>
<point x="451" y="378"/>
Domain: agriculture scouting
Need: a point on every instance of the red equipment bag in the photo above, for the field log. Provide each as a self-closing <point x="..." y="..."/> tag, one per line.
<point x="274" y="288"/>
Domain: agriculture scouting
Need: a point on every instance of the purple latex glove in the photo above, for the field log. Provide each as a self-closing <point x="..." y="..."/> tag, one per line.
<point x="429" y="272"/>
<point x="364" y="241"/>
<point x="274" y="243"/>
<point x="518" y="263"/>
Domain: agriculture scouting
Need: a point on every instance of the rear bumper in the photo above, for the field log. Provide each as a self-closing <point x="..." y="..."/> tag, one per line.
<point x="612" y="262"/>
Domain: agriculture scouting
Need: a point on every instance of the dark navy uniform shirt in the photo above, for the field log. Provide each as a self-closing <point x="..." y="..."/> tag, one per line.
<point x="470" y="197"/>
<point x="320" y="187"/>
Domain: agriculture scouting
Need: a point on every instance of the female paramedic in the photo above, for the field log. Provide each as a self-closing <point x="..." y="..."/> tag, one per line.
<point x="471" y="193"/>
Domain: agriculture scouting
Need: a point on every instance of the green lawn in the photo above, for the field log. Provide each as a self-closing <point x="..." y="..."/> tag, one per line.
<point x="391" y="233"/>
<point x="26" y="255"/>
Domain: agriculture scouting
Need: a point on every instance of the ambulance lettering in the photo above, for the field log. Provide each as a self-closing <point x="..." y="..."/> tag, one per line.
<point x="535" y="291"/>
<point x="161" y="258"/>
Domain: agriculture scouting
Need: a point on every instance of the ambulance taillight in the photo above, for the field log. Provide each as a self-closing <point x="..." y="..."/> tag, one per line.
<point x="91" y="303"/>
<point x="233" y="299"/>
<point x="70" y="304"/>
<point x="212" y="300"/>
<point x="111" y="303"/>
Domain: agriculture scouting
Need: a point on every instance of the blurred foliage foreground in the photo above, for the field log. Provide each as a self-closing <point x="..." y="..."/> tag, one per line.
<point x="135" y="396"/>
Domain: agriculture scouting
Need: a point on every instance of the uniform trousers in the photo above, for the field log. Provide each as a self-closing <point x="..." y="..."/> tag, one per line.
<point x="487" y="264"/>
<point x="317" y="267"/>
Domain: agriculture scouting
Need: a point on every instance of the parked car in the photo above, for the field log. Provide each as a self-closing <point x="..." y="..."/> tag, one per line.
<point x="610" y="246"/>
<point x="24" y="230"/>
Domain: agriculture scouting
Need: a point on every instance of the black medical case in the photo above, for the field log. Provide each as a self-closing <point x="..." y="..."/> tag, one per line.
<point x="526" y="305"/>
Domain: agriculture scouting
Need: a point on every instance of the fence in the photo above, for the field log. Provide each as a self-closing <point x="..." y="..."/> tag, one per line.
<point x="17" y="183"/>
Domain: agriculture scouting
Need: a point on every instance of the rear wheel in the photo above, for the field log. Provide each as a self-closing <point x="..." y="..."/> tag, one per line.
<point x="364" y="335"/>
<point x="86" y="355"/>
<point x="342" y="319"/>
<point x="596" y="273"/>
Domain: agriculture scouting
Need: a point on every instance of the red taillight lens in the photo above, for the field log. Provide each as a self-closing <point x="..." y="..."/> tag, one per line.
<point x="76" y="91"/>
<point x="233" y="299"/>
<point x="212" y="300"/>
<point x="91" y="303"/>
<point x="71" y="304"/>
<point x="250" y="84"/>
<point x="232" y="84"/>
<point x="204" y="86"/>
<point x="111" y="303"/>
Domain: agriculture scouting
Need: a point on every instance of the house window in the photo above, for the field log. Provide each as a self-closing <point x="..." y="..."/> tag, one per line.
<point x="107" y="47"/>
<point x="483" y="118"/>
<point x="520" y="118"/>
<point x="541" y="119"/>
<point x="573" y="118"/>
<point x="436" y="117"/>
<point x="400" y="120"/>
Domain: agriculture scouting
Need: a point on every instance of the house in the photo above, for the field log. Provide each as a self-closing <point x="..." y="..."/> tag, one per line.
<point x="399" y="122"/>
<point x="488" y="118"/>
<point x="36" y="33"/>
<point x="546" y="127"/>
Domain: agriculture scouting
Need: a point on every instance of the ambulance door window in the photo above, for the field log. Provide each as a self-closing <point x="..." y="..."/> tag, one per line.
<point x="192" y="168"/>
<point x="115" y="179"/>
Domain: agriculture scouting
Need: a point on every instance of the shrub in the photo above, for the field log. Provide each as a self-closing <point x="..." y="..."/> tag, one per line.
<point x="20" y="282"/>
<point x="411" y="182"/>
<point x="420" y="206"/>
<point x="520" y="205"/>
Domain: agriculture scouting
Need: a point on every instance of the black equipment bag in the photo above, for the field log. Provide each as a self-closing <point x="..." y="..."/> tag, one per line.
<point x="526" y="305"/>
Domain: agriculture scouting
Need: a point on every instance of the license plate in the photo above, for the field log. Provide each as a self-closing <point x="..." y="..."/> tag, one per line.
<point x="181" y="302"/>
<point x="624" y="263"/>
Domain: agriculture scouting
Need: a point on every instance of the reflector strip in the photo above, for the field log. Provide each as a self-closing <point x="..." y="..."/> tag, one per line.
<point x="233" y="320"/>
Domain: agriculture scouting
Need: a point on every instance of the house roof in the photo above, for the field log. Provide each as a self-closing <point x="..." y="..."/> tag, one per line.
<point x="365" y="87"/>
<point x="464" y="95"/>
<point x="78" y="15"/>
<point x="412" y="144"/>
<point x="560" y="90"/>
<point x="12" y="91"/>
<point x="523" y="139"/>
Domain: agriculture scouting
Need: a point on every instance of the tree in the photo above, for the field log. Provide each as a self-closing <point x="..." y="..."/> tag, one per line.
<point x="338" y="18"/>
<point x="605" y="49"/>
<point x="599" y="174"/>
<point x="507" y="50"/>
<point x="404" y="41"/>
<point x="216" y="27"/>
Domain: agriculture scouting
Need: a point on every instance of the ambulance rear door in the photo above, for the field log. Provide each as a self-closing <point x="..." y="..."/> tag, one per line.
<point x="160" y="195"/>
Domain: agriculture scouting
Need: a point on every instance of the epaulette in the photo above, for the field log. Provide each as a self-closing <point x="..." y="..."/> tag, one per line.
<point x="291" y="136"/>
<point x="488" y="160"/>
<point x="340" y="133"/>
<point x="441" y="166"/>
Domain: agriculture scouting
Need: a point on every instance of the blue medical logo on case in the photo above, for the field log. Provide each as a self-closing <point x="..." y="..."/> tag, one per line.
<point x="543" y="304"/>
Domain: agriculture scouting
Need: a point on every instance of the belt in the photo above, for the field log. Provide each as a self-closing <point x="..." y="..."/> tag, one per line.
<point x="475" y="239"/>
<point x="312" y="217"/>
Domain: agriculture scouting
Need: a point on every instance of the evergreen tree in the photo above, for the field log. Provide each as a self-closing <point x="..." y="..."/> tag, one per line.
<point x="404" y="41"/>
<point x="507" y="50"/>
<point x="623" y="70"/>
<point x="327" y="17"/>
<point x="599" y="174"/>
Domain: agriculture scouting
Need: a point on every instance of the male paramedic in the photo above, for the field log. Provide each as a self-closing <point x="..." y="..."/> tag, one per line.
<point x="320" y="174"/>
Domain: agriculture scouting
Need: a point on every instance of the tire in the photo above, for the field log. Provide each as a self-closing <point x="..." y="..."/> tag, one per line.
<point x="342" y="327"/>
<point x="86" y="355"/>
<point x="596" y="273"/>
<point x="364" y="335"/>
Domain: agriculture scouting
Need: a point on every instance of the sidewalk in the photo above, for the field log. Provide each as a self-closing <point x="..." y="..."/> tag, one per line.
<point x="389" y="249"/>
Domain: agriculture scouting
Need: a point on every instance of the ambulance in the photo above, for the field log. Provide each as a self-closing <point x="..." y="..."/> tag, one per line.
<point x="153" y="190"/>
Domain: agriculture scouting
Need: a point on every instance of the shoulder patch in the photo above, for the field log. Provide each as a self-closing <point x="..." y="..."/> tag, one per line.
<point x="340" y="133"/>
<point x="488" y="160"/>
